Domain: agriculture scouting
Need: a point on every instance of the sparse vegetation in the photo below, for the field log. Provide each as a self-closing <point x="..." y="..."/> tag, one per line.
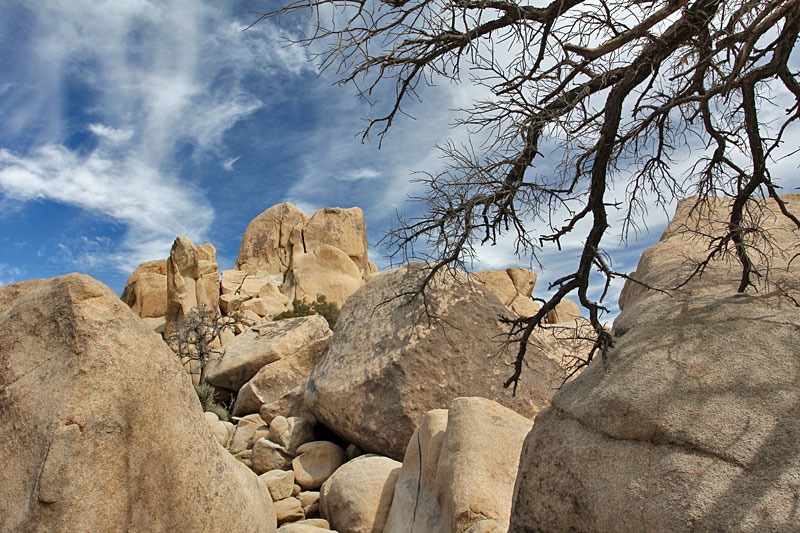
<point x="321" y="306"/>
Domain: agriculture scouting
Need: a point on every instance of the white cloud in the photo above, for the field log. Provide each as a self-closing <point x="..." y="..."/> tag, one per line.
<point x="228" y="163"/>
<point x="163" y="76"/>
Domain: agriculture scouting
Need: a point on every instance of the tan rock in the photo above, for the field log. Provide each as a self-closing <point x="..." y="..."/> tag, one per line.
<point x="279" y="483"/>
<point x="358" y="495"/>
<point x="146" y="289"/>
<point x="304" y="526"/>
<point x="689" y="423"/>
<point x="309" y="499"/>
<point x="267" y="455"/>
<point x="222" y="430"/>
<point x="266" y="241"/>
<point x="246" y="428"/>
<point x="341" y="228"/>
<point x="291" y="404"/>
<point x="192" y="280"/>
<point x="383" y="349"/>
<point x="524" y="280"/>
<point x="291" y="433"/>
<point x="513" y="287"/>
<point x="325" y="270"/>
<point x="315" y="462"/>
<point x="566" y="311"/>
<point x="266" y="307"/>
<point x="101" y="428"/>
<point x="276" y="380"/>
<point x="288" y="510"/>
<point x="498" y="283"/>
<point x="261" y="345"/>
<point x="459" y="470"/>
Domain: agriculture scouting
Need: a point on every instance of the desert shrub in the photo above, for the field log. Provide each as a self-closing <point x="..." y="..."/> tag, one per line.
<point x="321" y="306"/>
<point x="207" y="395"/>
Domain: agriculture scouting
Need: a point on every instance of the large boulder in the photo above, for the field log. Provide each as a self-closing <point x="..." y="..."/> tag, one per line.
<point x="358" y="495"/>
<point x="241" y="358"/>
<point x="192" y="280"/>
<point x="101" y="428"/>
<point x="326" y="270"/>
<point x="146" y="289"/>
<point x="690" y="421"/>
<point x="341" y="228"/>
<point x="277" y="380"/>
<point x="513" y="287"/>
<point x="267" y="242"/>
<point x="459" y="470"/>
<point x="388" y="362"/>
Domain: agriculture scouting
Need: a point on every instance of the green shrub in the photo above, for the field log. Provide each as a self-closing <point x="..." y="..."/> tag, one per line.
<point x="207" y="395"/>
<point x="321" y="306"/>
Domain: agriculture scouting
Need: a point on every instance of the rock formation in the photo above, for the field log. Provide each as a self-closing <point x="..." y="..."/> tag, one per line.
<point x="690" y="423"/>
<point x="192" y="279"/>
<point x="387" y="363"/>
<point x="459" y="470"/>
<point x="306" y="256"/>
<point x="101" y="428"/>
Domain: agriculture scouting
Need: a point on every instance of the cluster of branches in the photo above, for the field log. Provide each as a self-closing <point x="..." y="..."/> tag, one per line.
<point x="616" y="90"/>
<point x="194" y="336"/>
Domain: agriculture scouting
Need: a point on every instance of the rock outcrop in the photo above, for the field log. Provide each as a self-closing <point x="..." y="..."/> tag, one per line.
<point x="192" y="280"/>
<point x="459" y="470"/>
<point x="387" y="363"/>
<point x="322" y="254"/>
<point x="690" y="423"/>
<point x="146" y="289"/>
<point x="101" y="428"/>
<point x="513" y="287"/>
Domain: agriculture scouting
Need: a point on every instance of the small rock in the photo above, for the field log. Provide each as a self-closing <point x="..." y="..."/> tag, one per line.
<point x="288" y="510"/>
<point x="269" y="456"/>
<point x="280" y="483"/>
<point x="291" y="433"/>
<point x="243" y="436"/>
<point x="315" y="462"/>
<point x="310" y="501"/>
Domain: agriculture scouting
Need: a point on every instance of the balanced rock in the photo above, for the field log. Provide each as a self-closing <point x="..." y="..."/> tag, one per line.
<point x="192" y="280"/>
<point x="459" y="470"/>
<point x="262" y="344"/>
<point x="690" y="421"/>
<point x="387" y="364"/>
<point x="358" y="495"/>
<point x="101" y="428"/>
<point x="146" y="289"/>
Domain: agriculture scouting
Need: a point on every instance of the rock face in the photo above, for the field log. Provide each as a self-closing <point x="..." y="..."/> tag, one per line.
<point x="358" y="495"/>
<point x="691" y="423"/>
<point x="386" y="365"/>
<point x="192" y="279"/>
<point x="322" y="254"/>
<point x="146" y="289"/>
<point x="101" y="428"/>
<point x="459" y="469"/>
<point x="261" y="345"/>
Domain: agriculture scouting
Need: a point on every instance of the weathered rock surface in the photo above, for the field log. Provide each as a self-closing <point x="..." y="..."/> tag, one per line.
<point x="276" y="380"/>
<point x="261" y="345"/>
<point x="101" y="428"/>
<point x="459" y="470"/>
<point x="146" y="289"/>
<point x="386" y="365"/>
<point x="691" y="422"/>
<point x="192" y="279"/>
<point x="267" y="242"/>
<point x="358" y="495"/>
<point x="325" y="270"/>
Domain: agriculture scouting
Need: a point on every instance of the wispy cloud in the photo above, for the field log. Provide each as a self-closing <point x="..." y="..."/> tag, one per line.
<point x="152" y="80"/>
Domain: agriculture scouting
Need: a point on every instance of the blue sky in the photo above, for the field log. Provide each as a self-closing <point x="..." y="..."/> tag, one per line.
<point x="125" y="124"/>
